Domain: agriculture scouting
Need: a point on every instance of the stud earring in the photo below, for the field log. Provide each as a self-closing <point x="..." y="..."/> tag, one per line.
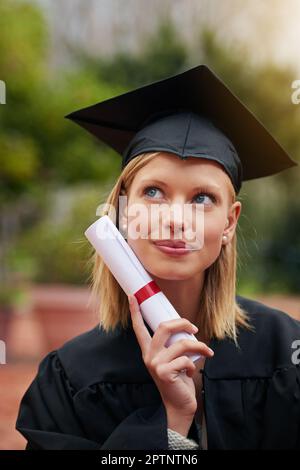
<point x="224" y="238"/>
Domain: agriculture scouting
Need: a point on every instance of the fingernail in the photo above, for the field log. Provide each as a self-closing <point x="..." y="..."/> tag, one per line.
<point x="195" y="328"/>
<point x="211" y="351"/>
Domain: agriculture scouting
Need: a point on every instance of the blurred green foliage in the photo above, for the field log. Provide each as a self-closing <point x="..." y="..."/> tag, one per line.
<point x="54" y="175"/>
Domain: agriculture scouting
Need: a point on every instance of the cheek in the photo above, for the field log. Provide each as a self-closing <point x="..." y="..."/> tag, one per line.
<point x="138" y="234"/>
<point x="138" y="219"/>
<point x="213" y="231"/>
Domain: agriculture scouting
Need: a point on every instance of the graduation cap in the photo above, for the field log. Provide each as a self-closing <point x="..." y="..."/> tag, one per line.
<point x="191" y="114"/>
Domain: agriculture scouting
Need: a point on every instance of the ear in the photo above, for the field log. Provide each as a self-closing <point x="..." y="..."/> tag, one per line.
<point x="231" y="223"/>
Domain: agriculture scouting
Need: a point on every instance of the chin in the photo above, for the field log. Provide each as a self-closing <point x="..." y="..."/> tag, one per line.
<point x="168" y="276"/>
<point x="168" y="270"/>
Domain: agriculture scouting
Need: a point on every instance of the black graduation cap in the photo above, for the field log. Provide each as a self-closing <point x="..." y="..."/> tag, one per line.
<point x="192" y="113"/>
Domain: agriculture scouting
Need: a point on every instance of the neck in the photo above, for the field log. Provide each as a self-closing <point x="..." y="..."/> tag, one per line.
<point x="184" y="295"/>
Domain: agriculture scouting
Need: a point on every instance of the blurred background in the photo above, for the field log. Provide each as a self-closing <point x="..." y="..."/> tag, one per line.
<point x="60" y="55"/>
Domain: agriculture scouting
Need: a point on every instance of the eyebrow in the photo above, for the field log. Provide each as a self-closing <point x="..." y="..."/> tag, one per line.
<point x="208" y="186"/>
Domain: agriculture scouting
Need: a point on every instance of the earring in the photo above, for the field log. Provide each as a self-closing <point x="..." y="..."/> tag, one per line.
<point x="123" y="223"/>
<point x="224" y="238"/>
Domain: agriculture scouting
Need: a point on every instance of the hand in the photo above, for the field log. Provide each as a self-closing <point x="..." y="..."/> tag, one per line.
<point x="165" y="364"/>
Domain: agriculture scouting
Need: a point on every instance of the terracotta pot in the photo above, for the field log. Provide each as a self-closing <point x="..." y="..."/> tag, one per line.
<point x="62" y="313"/>
<point x="6" y="313"/>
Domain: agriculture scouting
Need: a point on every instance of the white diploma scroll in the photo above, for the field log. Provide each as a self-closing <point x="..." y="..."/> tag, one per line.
<point x="133" y="278"/>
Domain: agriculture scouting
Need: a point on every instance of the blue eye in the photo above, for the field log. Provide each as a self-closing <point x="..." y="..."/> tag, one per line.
<point x="150" y="188"/>
<point x="154" y="189"/>
<point x="202" y="195"/>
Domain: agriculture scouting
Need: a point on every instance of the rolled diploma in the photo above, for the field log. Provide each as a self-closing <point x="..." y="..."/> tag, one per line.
<point x="133" y="278"/>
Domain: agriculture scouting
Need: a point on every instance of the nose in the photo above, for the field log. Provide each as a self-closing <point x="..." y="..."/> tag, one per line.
<point x="182" y="221"/>
<point x="174" y="219"/>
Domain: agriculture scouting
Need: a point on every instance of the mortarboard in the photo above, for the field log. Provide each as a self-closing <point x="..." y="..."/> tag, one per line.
<point x="193" y="114"/>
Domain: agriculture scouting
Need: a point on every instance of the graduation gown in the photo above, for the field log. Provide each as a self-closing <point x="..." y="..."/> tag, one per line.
<point x="95" y="392"/>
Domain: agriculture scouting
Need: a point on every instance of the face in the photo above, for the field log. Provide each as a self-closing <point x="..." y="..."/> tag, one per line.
<point x="168" y="180"/>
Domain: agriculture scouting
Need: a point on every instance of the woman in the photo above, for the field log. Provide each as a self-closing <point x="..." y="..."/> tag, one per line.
<point x="118" y="386"/>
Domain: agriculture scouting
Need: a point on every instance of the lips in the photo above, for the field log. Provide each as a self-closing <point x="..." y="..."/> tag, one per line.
<point x="171" y="243"/>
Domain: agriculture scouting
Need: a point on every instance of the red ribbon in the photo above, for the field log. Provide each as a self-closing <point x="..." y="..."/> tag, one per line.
<point x="147" y="291"/>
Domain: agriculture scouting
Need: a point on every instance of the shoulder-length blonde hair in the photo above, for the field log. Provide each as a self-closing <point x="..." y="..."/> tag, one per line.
<point x="219" y="313"/>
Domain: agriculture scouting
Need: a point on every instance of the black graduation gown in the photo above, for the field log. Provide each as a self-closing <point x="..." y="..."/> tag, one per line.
<point x="96" y="393"/>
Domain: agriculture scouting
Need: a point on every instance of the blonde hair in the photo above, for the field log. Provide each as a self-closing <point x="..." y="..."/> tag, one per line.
<point x="219" y="313"/>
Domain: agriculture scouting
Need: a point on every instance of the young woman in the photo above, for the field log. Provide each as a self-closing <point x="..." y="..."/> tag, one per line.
<point x="118" y="386"/>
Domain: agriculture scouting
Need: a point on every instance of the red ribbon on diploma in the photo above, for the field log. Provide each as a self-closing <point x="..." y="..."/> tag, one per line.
<point x="147" y="291"/>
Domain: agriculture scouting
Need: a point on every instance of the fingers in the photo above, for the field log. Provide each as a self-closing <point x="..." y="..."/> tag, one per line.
<point x="141" y="332"/>
<point x="159" y="354"/>
<point x="167" y="328"/>
<point x="169" y="371"/>
<point x="181" y="347"/>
